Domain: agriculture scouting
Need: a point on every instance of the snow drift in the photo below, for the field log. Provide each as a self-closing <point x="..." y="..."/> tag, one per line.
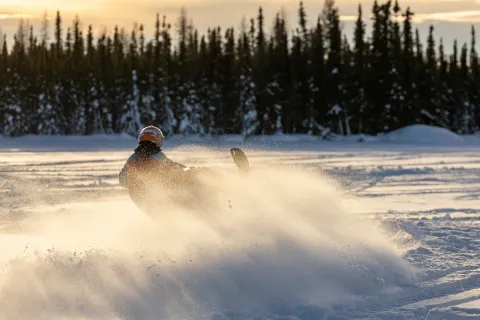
<point x="423" y="134"/>
<point x="274" y="241"/>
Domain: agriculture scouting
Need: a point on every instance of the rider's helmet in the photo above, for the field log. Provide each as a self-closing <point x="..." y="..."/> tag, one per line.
<point x="152" y="134"/>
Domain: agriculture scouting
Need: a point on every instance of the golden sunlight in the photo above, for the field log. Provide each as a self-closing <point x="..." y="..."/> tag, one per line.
<point x="109" y="8"/>
<point x="105" y="14"/>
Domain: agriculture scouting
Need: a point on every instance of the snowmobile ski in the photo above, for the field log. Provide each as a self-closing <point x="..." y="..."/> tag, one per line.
<point x="240" y="159"/>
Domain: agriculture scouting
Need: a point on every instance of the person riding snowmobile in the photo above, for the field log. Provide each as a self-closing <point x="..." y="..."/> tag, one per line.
<point x="148" y="152"/>
<point x="149" y="174"/>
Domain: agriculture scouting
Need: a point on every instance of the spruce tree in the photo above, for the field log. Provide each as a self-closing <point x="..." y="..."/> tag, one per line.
<point x="359" y="78"/>
<point x="430" y="86"/>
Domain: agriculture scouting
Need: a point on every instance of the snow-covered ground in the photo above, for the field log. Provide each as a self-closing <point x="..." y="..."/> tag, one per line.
<point x="379" y="229"/>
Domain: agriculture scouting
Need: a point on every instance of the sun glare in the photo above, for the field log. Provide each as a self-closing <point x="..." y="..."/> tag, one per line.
<point x="33" y="6"/>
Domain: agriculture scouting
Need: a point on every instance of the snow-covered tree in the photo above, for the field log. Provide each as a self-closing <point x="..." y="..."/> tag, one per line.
<point x="14" y="115"/>
<point x="248" y="106"/>
<point x="130" y="119"/>
<point x="13" y="120"/>
<point x="48" y="124"/>
<point x="190" y="120"/>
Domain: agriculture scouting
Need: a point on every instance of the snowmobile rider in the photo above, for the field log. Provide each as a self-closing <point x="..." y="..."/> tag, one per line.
<point x="149" y="148"/>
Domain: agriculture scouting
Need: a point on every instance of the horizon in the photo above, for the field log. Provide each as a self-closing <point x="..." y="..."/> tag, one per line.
<point x="452" y="19"/>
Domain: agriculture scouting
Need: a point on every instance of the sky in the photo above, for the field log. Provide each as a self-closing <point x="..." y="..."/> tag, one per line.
<point x="452" y="19"/>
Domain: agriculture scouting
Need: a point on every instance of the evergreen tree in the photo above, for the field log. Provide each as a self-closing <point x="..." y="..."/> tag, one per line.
<point x="444" y="115"/>
<point x="360" y="65"/>
<point x="466" y="120"/>
<point x="280" y="83"/>
<point x="408" y="63"/>
<point x="334" y="68"/>
<point x="474" y="84"/>
<point x="261" y="73"/>
<point x="229" y="87"/>
<point x="453" y="103"/>
<point x="430" y="87"/>
<point x="247" y="106"/>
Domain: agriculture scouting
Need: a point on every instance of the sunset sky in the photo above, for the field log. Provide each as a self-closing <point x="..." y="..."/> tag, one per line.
<point x="452" y="18"/>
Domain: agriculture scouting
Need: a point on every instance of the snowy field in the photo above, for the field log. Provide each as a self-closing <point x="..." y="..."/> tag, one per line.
<point x="387" y="228"/>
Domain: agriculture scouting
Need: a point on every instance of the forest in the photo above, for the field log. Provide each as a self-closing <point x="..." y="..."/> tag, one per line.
<point x="259" y="80"/>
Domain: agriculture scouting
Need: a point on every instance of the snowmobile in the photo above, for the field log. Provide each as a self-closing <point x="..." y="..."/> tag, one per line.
<point x="152" y="189"/>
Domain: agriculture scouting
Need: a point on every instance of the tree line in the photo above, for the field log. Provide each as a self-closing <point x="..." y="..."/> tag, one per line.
<point x="257" y="80"/>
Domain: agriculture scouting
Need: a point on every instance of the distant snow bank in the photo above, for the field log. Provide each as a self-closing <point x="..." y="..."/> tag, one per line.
<point x="67" y="143"/>
<point x="423" y="134"/>
<point x="410" y="135"/>
<point x="414" y="134"/>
